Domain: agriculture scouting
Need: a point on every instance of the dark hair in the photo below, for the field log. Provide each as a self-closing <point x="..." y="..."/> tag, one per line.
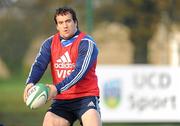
<point x="65" y="10"/>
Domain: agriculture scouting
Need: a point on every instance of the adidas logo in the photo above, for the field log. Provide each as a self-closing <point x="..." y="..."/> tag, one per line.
<point x="91" y="104"/>
<point x="64" y="58"/>
<point x="64" y="65"/>
<point x="64" y="61"/>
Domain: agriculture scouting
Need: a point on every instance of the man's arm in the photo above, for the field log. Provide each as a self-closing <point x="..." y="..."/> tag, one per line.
<point x="87" y="55"/>
<point x="41" y="62"/>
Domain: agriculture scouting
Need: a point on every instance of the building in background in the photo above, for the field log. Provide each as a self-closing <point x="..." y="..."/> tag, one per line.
<point x="114" y="44"/>
<point x="164" y="47"/>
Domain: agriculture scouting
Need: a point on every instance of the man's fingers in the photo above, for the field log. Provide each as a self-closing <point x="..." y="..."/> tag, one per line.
<point x="25" y="95"/>
<point x="52" y="91"/>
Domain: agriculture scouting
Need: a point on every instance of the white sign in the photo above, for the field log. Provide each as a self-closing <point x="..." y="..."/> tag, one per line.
<point x="139" y="93"/>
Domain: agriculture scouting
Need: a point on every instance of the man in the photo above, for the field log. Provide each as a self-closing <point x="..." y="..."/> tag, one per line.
<point x="72" y="56"/>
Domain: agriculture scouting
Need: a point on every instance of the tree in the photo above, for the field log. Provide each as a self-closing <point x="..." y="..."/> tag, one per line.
<point x="140" y="16"/>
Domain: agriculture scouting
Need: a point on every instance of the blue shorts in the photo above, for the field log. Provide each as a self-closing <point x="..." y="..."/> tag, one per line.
<point x="73" y="109"/>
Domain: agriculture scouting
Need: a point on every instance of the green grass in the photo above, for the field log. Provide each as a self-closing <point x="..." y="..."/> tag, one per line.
<point x="13" y="111"/>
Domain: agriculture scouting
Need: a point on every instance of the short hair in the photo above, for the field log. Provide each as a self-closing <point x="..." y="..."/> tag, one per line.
<point x="64" y="11"/>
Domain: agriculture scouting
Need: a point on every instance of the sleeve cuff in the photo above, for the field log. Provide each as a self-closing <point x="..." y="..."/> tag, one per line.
<point x="30" y="83"/>
<point x="58" y="91"/>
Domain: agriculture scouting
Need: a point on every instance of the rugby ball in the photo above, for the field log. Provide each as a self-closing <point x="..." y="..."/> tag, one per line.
<point x="37" y="96"/>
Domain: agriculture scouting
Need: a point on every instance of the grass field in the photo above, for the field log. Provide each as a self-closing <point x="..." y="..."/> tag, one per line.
<point x="13" y="111"/>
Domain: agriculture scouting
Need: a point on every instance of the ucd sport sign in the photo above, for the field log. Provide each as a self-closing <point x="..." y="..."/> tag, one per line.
<point x="139" y="93"/>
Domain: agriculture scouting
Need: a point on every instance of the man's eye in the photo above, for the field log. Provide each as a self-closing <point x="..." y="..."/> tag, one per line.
<point x="60" y="22"/>
<point x="68" y="21"/>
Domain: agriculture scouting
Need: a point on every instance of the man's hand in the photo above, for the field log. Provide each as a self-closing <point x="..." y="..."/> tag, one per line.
<point x="25" y="95"/>
<point x="52" y="91"/>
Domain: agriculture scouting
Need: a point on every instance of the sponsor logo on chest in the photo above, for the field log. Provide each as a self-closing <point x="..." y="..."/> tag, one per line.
<point x="64" y="65"/>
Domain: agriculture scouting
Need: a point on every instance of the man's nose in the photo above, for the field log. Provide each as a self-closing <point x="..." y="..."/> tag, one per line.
<point x="65" y="24"/>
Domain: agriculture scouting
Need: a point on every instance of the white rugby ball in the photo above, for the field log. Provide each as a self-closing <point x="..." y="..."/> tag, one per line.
<point x="37" y="96"/>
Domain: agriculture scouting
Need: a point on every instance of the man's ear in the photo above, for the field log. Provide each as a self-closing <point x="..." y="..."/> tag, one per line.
<point x="76" y="24"/>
